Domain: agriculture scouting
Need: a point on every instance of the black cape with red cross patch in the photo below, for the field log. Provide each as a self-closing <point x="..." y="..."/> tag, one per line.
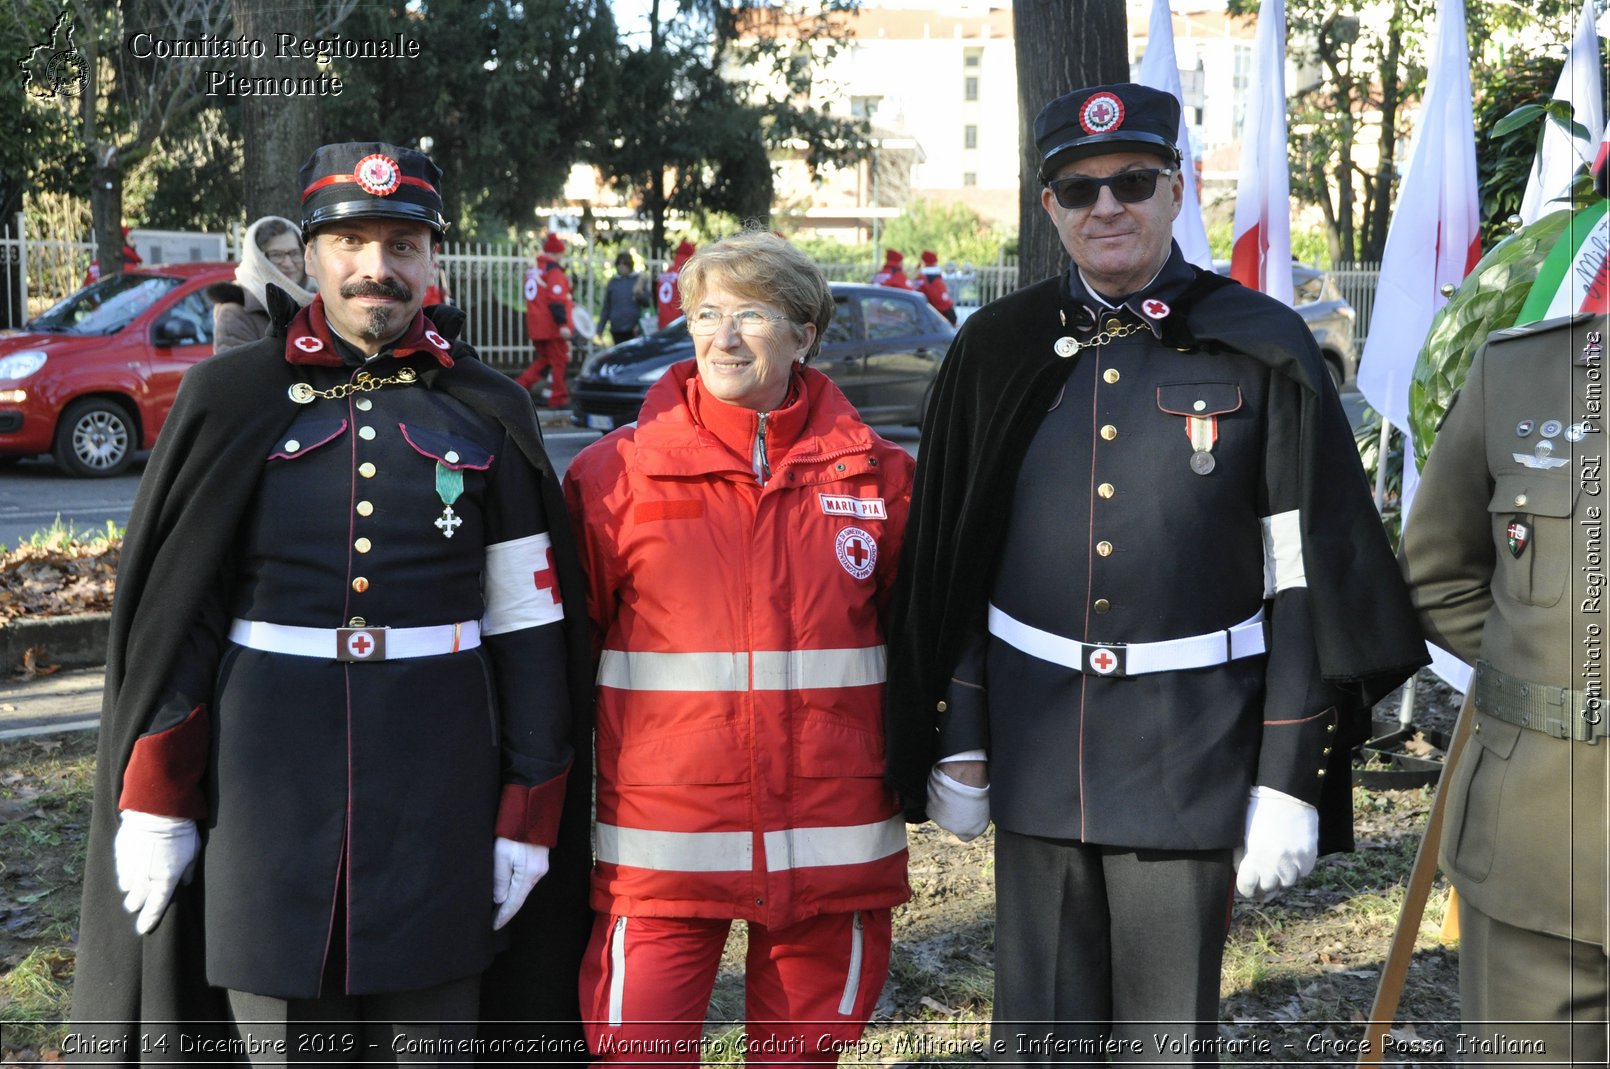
<point x="997" y="382"/>
<point x="134" y="997"/>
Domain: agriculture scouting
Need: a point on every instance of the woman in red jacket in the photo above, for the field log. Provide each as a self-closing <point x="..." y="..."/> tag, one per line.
<point x="740" y="542"/>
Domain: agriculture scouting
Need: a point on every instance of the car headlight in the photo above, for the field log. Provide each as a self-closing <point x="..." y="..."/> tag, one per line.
<point x="654" y="374"/>
<point x="21" y="365"/>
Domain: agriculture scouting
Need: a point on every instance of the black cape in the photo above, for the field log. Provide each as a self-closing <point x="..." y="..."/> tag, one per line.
<point x="135" y="996"/>
<point x="995" y="386"/>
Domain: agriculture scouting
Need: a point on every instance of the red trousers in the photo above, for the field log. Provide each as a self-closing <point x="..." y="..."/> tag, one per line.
<point x="809" y="988"/>
<point x="553" y="354"/>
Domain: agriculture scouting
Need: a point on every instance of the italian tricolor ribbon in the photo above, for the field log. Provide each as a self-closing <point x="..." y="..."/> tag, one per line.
<point x="1575" y="275"/>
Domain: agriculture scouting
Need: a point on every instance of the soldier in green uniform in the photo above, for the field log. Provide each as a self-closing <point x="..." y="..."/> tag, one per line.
<point x="1504" y="553"/>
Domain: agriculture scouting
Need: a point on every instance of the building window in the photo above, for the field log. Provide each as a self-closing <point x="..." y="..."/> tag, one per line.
<point x="970" y="87"/>
<point x="865" y="107"/>
<point x="972" y="57"/>
<point x="969" y="178"/>
<point x="969" y="137"/>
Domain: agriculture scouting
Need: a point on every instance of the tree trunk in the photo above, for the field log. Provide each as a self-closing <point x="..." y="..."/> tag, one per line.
<point x="1060" y="47"/>
<point x="279" y="131"/>
<point x="106" y="209"/>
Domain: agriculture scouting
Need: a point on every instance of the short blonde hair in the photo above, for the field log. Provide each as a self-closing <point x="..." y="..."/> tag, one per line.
<point x="761" y="266"/>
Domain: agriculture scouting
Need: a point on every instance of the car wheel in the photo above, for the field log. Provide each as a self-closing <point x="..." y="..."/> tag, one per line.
<point x="1333" y="364"/>
<point x="95" y="438"/>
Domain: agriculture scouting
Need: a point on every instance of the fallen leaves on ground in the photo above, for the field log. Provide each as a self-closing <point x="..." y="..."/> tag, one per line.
<point x="58" y="581"/>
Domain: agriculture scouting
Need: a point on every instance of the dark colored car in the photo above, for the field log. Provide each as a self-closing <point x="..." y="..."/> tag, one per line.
<point x="1330" y="318"/>
<point x="882" y="348"/>
<point x="91" y="380"/>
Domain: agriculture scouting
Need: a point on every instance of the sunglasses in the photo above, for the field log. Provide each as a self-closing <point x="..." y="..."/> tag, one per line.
<point x="1130" y="187"/>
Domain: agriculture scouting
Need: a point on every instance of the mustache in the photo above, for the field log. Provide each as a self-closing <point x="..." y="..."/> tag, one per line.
<point x="397" y="291"/>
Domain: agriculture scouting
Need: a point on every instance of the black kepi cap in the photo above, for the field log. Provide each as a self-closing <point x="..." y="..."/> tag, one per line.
<point x="363" y="179"/>
<point x="1106" y="118"/>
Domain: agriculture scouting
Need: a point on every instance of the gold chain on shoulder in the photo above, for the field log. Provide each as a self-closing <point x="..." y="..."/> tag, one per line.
<point x="304" y="394"/>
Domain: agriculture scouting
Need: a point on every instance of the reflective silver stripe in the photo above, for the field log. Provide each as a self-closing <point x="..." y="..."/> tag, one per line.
<point x="733" y="851"/>
<point x="773" y="669"/>
<point x="628" y="670"/>
<point x="856" y="844"/>
<point x="1282" y="553"/>
<point x="799" y="669"/>
<point x="676" y="851"/>
<point x="852" y="980"/>
<point x="617" y="973"/>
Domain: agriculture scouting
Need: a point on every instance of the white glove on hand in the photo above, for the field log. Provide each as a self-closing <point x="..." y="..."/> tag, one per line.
<point x="151" y="854"/>
<point x="1282" y="844"/>
<point x="516" y="868"/>
<point x="958" y="808"/>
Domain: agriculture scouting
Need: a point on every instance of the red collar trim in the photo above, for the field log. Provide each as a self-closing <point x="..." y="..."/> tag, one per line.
<point x="309" y="339"/>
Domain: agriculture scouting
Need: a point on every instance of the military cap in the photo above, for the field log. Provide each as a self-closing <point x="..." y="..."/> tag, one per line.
<point x="366" y="179"/>
<point x="1106" y="118"/>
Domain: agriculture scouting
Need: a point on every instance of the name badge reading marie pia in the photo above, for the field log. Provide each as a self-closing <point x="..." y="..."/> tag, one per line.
<point x="865" y="508"/>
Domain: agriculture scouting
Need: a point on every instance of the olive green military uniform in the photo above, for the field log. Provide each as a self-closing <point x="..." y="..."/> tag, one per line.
<point x="1505" y="557"/>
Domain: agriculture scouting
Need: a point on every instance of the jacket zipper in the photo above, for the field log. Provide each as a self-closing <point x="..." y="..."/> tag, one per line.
<point x="761" y="461"/>
<point x="617" y="972"/>
<point x="852" y="982"/>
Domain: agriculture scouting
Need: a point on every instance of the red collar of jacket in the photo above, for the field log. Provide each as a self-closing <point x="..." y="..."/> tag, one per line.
<point x="309" y="339"/>
<point x="682" y="430"/>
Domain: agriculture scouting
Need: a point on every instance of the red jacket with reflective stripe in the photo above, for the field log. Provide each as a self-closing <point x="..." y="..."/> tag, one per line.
<point x="740" y="630"/>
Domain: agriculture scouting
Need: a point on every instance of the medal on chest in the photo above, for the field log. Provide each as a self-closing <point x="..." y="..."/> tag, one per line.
<point x="1203" y="432"/>
<point x="449" y="485"/>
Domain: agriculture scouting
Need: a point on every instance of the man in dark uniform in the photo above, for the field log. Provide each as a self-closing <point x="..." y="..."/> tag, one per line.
<point x="1146" y="594"/>
<point x="338" y="688"/>
<point x="1504" y="553"/>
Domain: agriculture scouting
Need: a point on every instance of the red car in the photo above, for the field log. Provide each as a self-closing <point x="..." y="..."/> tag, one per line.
<point x="91" y="380"/>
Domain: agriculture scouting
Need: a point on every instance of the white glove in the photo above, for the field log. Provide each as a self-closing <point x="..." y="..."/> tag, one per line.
<point x="516" y="868"/>
<point x="1282" y="844"/>
<point x="958" y="808"/>
<point x="151" y="854"/>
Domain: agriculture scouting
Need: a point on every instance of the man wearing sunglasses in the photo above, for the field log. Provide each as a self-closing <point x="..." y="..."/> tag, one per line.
<point x="1144" y="600"/>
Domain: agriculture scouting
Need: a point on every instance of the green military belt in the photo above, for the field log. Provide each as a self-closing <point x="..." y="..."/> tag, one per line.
<point x="1556" y="711"/>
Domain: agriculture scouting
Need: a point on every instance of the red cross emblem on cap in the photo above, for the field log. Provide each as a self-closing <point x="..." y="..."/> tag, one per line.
<point x="378" y="175"/>
<point x="308" y="344"/>
<point x="1101" y="113"/>
<point x="1154" y="308"/>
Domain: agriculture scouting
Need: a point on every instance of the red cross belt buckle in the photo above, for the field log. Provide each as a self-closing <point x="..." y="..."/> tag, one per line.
<point x="1105" y="660"/>
<point x="360" y="643"/>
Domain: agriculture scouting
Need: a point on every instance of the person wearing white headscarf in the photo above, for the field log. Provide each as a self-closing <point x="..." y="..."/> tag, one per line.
<point x="271" y="253"/>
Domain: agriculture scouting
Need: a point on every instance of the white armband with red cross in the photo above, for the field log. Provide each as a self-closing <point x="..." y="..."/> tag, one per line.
<point x="521" y="585"/>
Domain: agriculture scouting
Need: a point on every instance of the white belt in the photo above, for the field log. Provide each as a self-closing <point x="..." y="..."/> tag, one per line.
<point x="1131" y="658"/>
<point x="356" y="643"/>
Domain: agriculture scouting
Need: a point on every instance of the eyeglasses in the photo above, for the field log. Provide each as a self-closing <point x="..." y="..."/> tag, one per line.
<point x="748" y="322"/>
<point x="1130" y="187"/>
<point x="288" y="256"/>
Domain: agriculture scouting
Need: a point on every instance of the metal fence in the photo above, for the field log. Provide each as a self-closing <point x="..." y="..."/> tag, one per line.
<point x="1357" y="283"/>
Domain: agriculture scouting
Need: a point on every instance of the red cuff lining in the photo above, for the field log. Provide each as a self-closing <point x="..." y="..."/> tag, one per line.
<point x="531" y="814"/>
<point x="163" y="776"/>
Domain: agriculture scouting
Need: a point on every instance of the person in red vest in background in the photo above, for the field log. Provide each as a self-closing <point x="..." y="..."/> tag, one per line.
<point x="667" y="295"/>
<point x="130" y="259"/>
<point x="891" y="273"/>
<point x="932" y="285"/>
<point x="547" y="320"/>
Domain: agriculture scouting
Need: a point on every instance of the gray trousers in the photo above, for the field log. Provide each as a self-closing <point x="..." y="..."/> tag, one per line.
<point x="429" y="1026"/>
<point x="1528" y="997"/>
<point x="1104" y="954"/>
